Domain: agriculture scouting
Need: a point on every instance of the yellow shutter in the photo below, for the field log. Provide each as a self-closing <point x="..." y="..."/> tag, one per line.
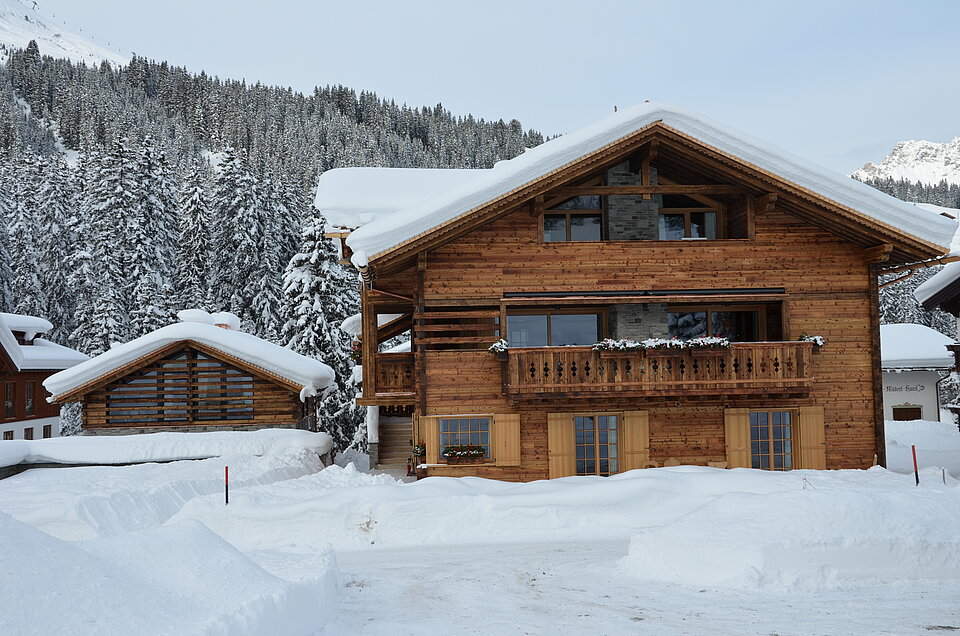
<point x="812" y="439"/>
<point x="561" y="445"/>
<point x="430" y="432"/>
<point x="634" y="440"/>
<point x="506" y="439"/>
<point x="737" y="427"/>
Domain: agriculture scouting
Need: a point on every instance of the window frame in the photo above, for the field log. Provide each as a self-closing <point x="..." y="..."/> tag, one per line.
<point x="794" y="438"/>
<point x="47" y="431"/>
<point x="28" y="432"/>
<point x="490" y="418"/>
<point x="7" y="435"/>
<point x="602" y="313"/>
<point x="596" y="444"/>
<point x="906" y="407"/>
<point x="9" y="411"/>
<point x="601" y="211"/>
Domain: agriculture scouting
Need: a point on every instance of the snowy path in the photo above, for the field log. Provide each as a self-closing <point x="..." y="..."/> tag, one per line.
<point x="568" y="588"/>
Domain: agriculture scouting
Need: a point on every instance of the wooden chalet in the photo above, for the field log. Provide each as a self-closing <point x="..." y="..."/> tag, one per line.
<point x="26" y="360"/>
<point x="653" y="223"/>
<point x="194" y="376"/>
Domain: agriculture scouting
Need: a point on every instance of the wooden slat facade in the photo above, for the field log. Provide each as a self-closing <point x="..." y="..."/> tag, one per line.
<point x="825" y="285"/>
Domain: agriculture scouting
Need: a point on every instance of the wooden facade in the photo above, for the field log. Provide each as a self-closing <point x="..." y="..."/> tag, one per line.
<point x="809" y="264"/>
<point x="188" y="386"/>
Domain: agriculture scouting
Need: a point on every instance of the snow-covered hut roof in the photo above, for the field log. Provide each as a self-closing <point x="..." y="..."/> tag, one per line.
<point x="353" y="325"/>
<point x="906" y="346"/>
<point x="947" y="276"/>
<point x="351" y="197"/>
<point x="311" y="375"/>
<point x="42" y="355"/>
<point x="388" y="232"/>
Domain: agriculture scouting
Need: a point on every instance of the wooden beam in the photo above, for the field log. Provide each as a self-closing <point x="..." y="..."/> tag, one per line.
<point x="764" y="204"/>
<point x="647" y="189"/>
<point x="879" y="253"/>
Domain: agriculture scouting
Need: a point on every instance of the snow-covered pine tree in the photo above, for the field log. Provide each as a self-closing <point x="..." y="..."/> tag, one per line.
<point x="6" y="273"/>
<point x="313" y="306"/>
<point x="56" y="205"/>
<point x="193" y="248"/>
<point x="27" y="287"/>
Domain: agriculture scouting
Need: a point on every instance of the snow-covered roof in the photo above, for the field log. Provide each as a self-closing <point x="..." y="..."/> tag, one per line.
<point x="312" y="375"/>
<point x="42" y="355"/>
<point x="387" y="232"/>
<point x="351" y="197"/>
<point x="937" y="283"/>
<point x="353" y="325"/>
<point x="906" y="346"/>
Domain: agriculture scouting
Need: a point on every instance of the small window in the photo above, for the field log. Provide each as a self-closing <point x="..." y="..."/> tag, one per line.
<point x="8" y="401"/>
<point x="772" y="440"/>
<point x="597" y="444"/>
<point x="682" y="217"/>
<point x="582" y="220"/>
<point x="28" y="433"/>
<point x="907" y="413"/>
<point x="467" y="431"/>
<point x="47" y="431"/>
<point x="7" y="435"/>
<point x="28" y="404"/>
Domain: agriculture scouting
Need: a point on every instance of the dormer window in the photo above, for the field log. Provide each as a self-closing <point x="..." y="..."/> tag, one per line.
<point x="576" y="219"/>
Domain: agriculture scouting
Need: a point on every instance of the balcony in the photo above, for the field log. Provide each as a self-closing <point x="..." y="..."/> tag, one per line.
<point x="394" y="380"/>
<point x="749" y="368"/>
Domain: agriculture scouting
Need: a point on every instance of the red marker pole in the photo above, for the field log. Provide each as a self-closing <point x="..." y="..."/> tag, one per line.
<point x="226" y="485"/>
<point x="916" y="470"/>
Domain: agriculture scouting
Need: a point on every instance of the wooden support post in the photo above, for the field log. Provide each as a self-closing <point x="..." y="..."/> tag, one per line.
<point x="368" y="342"/>
<point x="877" y="370"/>
<point x="420" y="358"/>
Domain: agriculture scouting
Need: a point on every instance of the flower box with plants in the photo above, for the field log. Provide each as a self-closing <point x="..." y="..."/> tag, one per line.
<point x="464" y="454"/>
<point x="661" y="346"/>
<point x="420" y="451"/>
<point x="499" y="348"/>
<point x="818" y="341"/>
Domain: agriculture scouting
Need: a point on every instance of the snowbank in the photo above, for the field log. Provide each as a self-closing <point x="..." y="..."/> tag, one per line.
<point x="805" y="539"/>
<point x="938" y="445"/>
<point x="909" y="346"/>
<point x="97" y="501"/>
<point x="389" y="231"/>
<point x="312" y="375"/>
<point x="181" y="579"/>
<point x="159" y="447"/>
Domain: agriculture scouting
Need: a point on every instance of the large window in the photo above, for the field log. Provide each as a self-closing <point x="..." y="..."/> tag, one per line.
<point x="682" y="217"/>
<point x="9" y="400"/>
<point x="554" y="329"/>
<point x="576" y="219"/>
<point x="465" y="431"/>
<point x="772" y="439"/>
<point x="597" y="444"/>
<point x="737" y="324"/>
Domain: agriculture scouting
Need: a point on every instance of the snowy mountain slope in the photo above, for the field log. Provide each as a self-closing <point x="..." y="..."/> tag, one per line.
<point x="24" y="20"/>
<point x="924" y="161"/>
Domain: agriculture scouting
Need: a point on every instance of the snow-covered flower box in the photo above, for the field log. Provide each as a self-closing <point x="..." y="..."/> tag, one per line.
<point x="499" y="348"/>
<point x="463" y="454"/>
<point x="663" y="346"/>
<point x="818" y="341"/>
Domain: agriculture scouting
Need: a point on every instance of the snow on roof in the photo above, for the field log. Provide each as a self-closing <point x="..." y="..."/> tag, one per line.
<point x="42" y="355"/>
<point x="906" y="346"/>
<point x="353" y="325"/>
<point x="937" y="283"/>
<point x="310" y="374"/>
<point x="351" y="197"/>
<point x="387" y="232"/>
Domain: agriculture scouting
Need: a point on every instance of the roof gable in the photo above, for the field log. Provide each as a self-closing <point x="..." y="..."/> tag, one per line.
<point x="570" y="156"/>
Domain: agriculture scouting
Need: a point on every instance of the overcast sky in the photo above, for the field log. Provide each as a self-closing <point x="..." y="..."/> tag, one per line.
<point x="838" y="82"/>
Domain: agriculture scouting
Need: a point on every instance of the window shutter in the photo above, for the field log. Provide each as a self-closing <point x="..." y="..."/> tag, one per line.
<point x="634" y="440"/>
<point x="737" y="427"/>
<point x="812" y="439"/>
<point x="430" y="432"/>
<point x="561" y="445"/>
<point x="506" y="439"/>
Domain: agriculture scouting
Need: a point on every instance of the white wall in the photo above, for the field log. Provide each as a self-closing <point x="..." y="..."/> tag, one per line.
<point x="36" y="424"/>
<point x="911" y="388"/>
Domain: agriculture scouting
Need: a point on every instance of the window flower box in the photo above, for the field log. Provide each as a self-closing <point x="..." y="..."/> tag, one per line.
<point x="464" y="454"/>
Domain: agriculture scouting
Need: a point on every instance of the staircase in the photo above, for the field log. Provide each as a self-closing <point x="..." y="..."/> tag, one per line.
<point x="396" y="445"/>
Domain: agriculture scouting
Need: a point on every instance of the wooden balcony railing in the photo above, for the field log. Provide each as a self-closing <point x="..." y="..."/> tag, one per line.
<point x="394" y="374"/>
<point x="747" y="368"/>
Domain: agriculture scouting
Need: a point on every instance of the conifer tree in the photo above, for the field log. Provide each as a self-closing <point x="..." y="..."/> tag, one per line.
<point x="193" y="247"/>
<point x="313" y="306"/>
<point x="27" y="288"/>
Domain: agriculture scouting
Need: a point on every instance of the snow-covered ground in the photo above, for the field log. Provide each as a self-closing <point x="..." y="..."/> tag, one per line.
<point x="938" y="444"/>
<point x="683" y="550"/>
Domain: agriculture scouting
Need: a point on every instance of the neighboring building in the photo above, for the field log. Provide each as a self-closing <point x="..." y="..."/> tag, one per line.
<point x="915" y="359"/>
<point x="25" y="362"/>
<point x="652" y="223"/>
<point x="197" y="375"/>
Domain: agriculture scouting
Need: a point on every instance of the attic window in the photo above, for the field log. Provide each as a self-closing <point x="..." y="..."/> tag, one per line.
<point x="576" y="219"/>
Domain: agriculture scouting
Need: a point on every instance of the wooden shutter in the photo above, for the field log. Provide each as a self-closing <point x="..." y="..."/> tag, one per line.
<point x="736" y="424"/>
<point x="506" y="439"/>
<point x="430" y="432"/>
<point x="812" y="439"/>
<point x="561" y="445"/>
<point x="634" y="440"/>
